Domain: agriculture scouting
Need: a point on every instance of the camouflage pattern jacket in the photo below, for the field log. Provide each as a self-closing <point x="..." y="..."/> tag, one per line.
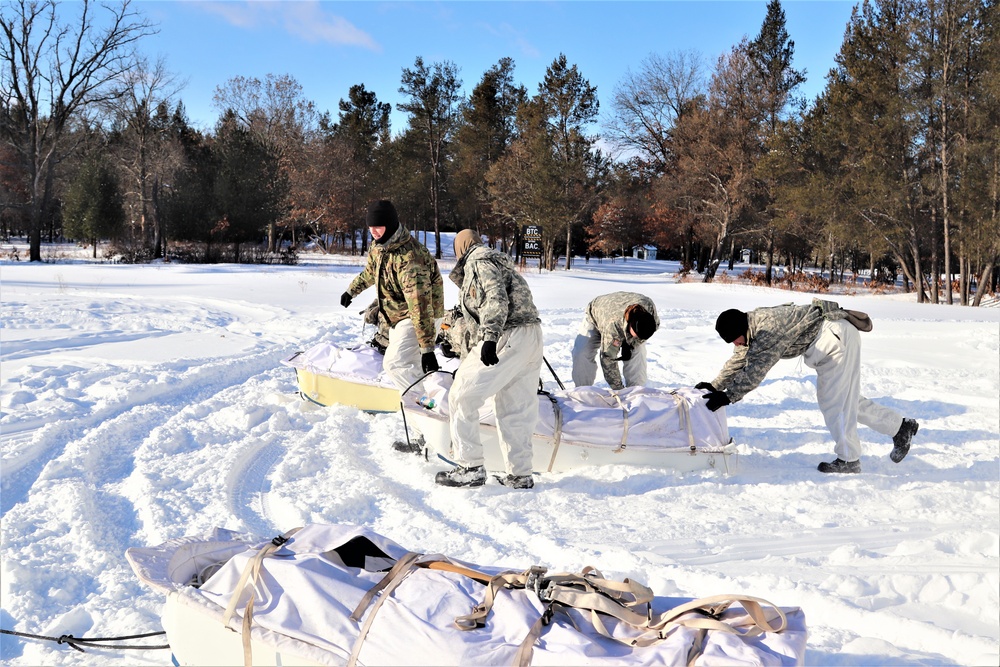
<point x="408" y="282"/>
<point x="780" y="332"/>
<point x="606" y="314"/>
<point x="493" y="296"/>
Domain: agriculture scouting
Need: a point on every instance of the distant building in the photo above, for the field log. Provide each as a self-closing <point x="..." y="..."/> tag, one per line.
<point x="644" y="252"/>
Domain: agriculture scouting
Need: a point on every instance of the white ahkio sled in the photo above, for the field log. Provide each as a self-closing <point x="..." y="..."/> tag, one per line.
<point x="343" y="595"/>
<point x="585" y="426"/>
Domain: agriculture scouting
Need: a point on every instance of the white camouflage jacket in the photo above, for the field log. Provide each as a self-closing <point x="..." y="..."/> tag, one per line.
<point x="606" y="315"/>
<point x="779" y="332"/>
<point x="493" y="296"/>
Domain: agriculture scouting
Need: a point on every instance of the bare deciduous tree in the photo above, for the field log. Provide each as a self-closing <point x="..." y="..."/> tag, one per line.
<point x="52" y="72"/>
<point x="647" y="104"/>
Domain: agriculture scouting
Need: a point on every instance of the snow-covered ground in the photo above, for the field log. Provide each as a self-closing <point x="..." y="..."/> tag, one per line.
<point x="142" y="403"/>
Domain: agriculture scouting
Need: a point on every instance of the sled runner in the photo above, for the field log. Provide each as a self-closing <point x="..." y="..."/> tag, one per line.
<point x="341" y="594"/>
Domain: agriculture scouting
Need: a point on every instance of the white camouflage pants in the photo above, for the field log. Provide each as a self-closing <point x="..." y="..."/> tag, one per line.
<point x="513" y="385"/>
<point x="836" y="356"/>
<point x="585" y="350"/>
<point x="401" y="363"/>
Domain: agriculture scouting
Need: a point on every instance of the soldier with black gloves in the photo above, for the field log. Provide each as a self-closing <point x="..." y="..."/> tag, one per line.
<point x="826" y="337"/>
<point x="501" y="359"/>
<point x="410" y="295"/>
<point x="615" y="329"/>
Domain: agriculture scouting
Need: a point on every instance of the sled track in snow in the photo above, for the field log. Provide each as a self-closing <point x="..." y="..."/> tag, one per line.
<point x="21" y="472"/>
<point x="248" y="486"/>
<point x="697" y="553"/>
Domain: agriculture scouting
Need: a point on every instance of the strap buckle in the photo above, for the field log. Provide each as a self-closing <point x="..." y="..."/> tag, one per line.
<point x="535" y="578"/>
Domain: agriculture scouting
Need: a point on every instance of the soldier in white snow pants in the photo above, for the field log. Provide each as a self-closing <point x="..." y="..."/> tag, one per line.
<point x="836" y="357"/>
<point x="826" y="337"/>
<point x="513" y="384"/>
<point x="501" y="350"/>
<point x="615" y="328"/>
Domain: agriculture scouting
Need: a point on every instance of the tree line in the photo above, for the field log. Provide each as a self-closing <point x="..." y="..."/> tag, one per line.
<point x="893" y="169"/>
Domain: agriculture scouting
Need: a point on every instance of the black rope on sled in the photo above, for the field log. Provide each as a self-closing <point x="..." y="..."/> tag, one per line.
<point x="406" y="427"/>
<point x="93" y="642"/>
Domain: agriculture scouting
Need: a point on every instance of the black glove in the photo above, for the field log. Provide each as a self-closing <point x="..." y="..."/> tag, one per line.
<point x="429" y="362"/>
<point x="345" y="299"/>
<point x="489" y="354"/>
<point x="716" y="400"/>
<point x="626" y="352"/>
<point x="705" y="385"/>
<point x="447" y="350"/>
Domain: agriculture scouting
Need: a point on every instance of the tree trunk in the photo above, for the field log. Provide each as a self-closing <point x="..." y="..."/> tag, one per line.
<point x="935" y="259"/>
<point x="770" y="257"/>
<point x="983" y="284"/>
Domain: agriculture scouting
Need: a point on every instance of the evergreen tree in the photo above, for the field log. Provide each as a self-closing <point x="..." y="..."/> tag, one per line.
<point x="487" y="130"/>
<point x="250" y="187"/>
<point x="93" y="207"/>
<point x="187" y="203"/>
<point x="434" y="95"/>
<point x="874" y="112"/>
<point x="363" y="129"/>
<point x="771" y="55"/>
<point x="570" y="105"/>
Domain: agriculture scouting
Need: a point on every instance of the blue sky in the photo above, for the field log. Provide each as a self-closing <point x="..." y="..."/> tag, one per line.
<point x="330" y="46"/>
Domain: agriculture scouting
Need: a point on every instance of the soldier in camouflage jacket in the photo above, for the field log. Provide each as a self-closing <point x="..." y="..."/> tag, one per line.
<point x="501" y="359"/>
<point x="826" y="337"/>
<point x="409" y="291"/>
<point x="615" y="329"/>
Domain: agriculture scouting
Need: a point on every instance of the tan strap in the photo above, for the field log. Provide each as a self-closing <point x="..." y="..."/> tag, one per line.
<point x="710" y="609"/>
<point x="685" y="411"/>
<point x="527" y="647"/>
<point x="249" y="578"/>
<point x="624" y="439"/>
<point x="477" y="617"/>
<point x="557" y="418"/>
<point x="403" y="564"/>
<point x="393" y="578"/>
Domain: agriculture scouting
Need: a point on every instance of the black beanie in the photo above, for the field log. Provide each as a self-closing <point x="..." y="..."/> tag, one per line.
<point x="382" y="213"/>
<point x="732" y="324"/>
<point x="642" y="323"/>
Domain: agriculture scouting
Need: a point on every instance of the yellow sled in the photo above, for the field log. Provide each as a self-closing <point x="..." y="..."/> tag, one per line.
<point x="324" y="376"/>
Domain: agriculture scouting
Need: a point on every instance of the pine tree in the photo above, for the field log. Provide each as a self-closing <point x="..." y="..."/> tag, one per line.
<point x="487" y="130"/>
<point x="93" y="208"/>
<point x="771" y="56"/>
<point x="434" y="94"/>
<point x="570" y="105"/>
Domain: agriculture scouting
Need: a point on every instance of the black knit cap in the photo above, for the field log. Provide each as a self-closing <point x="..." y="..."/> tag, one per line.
<point x="732" y="324"/>
<point x="642" y="323"/>
<point x="382" y="213"/>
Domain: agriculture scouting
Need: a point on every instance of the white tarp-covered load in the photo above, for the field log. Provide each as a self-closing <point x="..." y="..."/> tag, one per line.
<point x="336" y="594"/>
<point x="328" y="375"/>
<point x="635" y="416"/>
<point x="361" y="364"/>
<point x="592" y="426"/>
<point x="582" y="426"/>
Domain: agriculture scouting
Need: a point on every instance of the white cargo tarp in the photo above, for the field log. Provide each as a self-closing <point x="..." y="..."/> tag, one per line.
<point x="358" y="364"/>
<point x="641" y="417"/>
<point x="306" y="590"/>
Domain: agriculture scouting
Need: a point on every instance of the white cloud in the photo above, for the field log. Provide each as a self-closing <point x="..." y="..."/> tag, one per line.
<point x="514" y="36"/>
<point x="306" y="20"/>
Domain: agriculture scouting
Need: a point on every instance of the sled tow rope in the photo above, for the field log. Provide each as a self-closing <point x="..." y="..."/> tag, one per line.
<point x="76" y="643"/>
